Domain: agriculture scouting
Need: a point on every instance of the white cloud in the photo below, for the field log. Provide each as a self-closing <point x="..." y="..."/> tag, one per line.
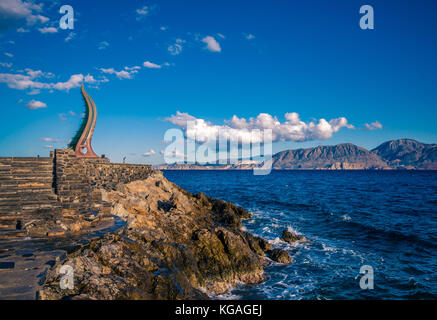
<point x="103" y="45"/>
<point x="221" y="35"/>
<point x="38" y="73"/>
<point x="14" y="13"/>
<point x="250" y="36"/>
<point x="123" y="74"/>
<point x="151" y="65"/>
<point x="22" y="30"/>
<point x="132" y="68"/>
<point x="5" y="64"/>
<point x="293" y="129"/>
<point x="373" y="126"/>
<point x="48" y="146"/>
<point x="48" y="30"/>
<point x="211" y="44"/>
<point x="51" y="140"/>
<point x="149" y="153"/>
<point x="8" y="54"/>
<point x="144" y="11"/>
<point x="21" y="81"/>
<point x="176" y="48"/>
<point x="35" y="104"/>
<point x="34" y="92"/>
<point x="89" y="79"/>
<point x="163" y="28"/>
<point x="42" y="19"/>
<point x="74" y="82"/>
<point x="70" y="36"/>
<point x="74" y="114"/>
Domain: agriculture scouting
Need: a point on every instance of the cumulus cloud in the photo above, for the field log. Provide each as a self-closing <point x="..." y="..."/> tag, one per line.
<point x="74" y="82"/>
<point x="123" y="74"/>
<point x="176" y="48"/>
<point x="292" y="129"/>
<point x="14" y="13"/>
<point x="48" y="30"/>
<point x="211" y="44"/>
<point x="35" y="104"/>
<point x="132" y="68"/>
<point x="89" y="79"/>
<point x="151" y="65"/>
<point x="149" y="153"/>
<point x="373" y="126"/>
<point x="30" y="80"/>
<point x="5" y="64"/>
<point x="249" y="36"/>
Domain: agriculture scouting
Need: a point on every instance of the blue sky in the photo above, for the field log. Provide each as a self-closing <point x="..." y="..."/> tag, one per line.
<point x="142" y="61"/>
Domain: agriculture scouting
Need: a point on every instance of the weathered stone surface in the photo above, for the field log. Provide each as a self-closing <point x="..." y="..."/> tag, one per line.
<point x="288" y="236"/>
<point x="175" y="245"/>
<point x="280" y="256"/>
<point x="36" y="185"/>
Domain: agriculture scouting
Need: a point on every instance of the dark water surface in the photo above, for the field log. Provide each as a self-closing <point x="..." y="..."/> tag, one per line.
<point x="384" y="219"/>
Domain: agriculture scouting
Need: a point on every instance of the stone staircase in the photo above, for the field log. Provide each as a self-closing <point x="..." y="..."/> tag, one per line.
<point x="26" y="193"/>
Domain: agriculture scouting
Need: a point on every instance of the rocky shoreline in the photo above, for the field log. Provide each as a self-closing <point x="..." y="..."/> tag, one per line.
<point x="175" y="245"/>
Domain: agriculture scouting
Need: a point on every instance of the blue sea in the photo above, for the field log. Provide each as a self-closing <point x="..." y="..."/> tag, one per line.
<point x="383" y="219"/>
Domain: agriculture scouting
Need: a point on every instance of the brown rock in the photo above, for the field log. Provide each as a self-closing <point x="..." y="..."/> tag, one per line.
<point x="280" y="256"/>
<point x="287" y="236"/>
<point x="175" y="246"/>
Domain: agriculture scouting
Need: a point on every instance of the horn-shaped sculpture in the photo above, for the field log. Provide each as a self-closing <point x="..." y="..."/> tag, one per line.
<point x="81" y="142"/>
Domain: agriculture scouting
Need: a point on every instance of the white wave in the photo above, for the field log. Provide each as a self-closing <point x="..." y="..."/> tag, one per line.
<point x="328" y="248"/>
<point x="294" y="231"/>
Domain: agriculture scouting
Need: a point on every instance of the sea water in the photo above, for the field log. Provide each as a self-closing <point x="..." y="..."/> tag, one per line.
<point x="383" y="219"/>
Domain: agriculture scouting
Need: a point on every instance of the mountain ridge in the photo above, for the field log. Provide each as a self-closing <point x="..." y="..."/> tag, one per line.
<point x="399" y="154"/>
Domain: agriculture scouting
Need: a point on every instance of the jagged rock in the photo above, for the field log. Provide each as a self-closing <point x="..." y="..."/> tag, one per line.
<point x="258" y="245"/>
<point x="280" y="256"/>
<point x="175" y="245"/>
<point x="288" y="236"/>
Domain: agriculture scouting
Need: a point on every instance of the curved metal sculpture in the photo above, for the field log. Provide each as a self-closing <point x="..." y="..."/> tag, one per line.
<point x="81" y="142"/>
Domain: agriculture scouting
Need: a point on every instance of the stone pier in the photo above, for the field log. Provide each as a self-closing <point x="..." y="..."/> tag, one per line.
<point x="61" y="183"/>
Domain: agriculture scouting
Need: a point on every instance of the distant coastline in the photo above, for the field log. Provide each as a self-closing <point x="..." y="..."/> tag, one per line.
<point x="401" y="154"/>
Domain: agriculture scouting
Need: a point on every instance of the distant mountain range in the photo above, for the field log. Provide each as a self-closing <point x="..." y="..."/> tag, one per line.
<point x="402" y="154"/>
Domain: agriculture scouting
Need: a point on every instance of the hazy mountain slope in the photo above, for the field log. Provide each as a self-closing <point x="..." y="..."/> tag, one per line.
<point x="342" y="156"/>
<point x="395" y="154"/>
<point x="407" y="153"/>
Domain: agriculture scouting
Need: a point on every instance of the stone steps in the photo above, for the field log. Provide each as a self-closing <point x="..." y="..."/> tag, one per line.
<point x="26" y="188"/>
